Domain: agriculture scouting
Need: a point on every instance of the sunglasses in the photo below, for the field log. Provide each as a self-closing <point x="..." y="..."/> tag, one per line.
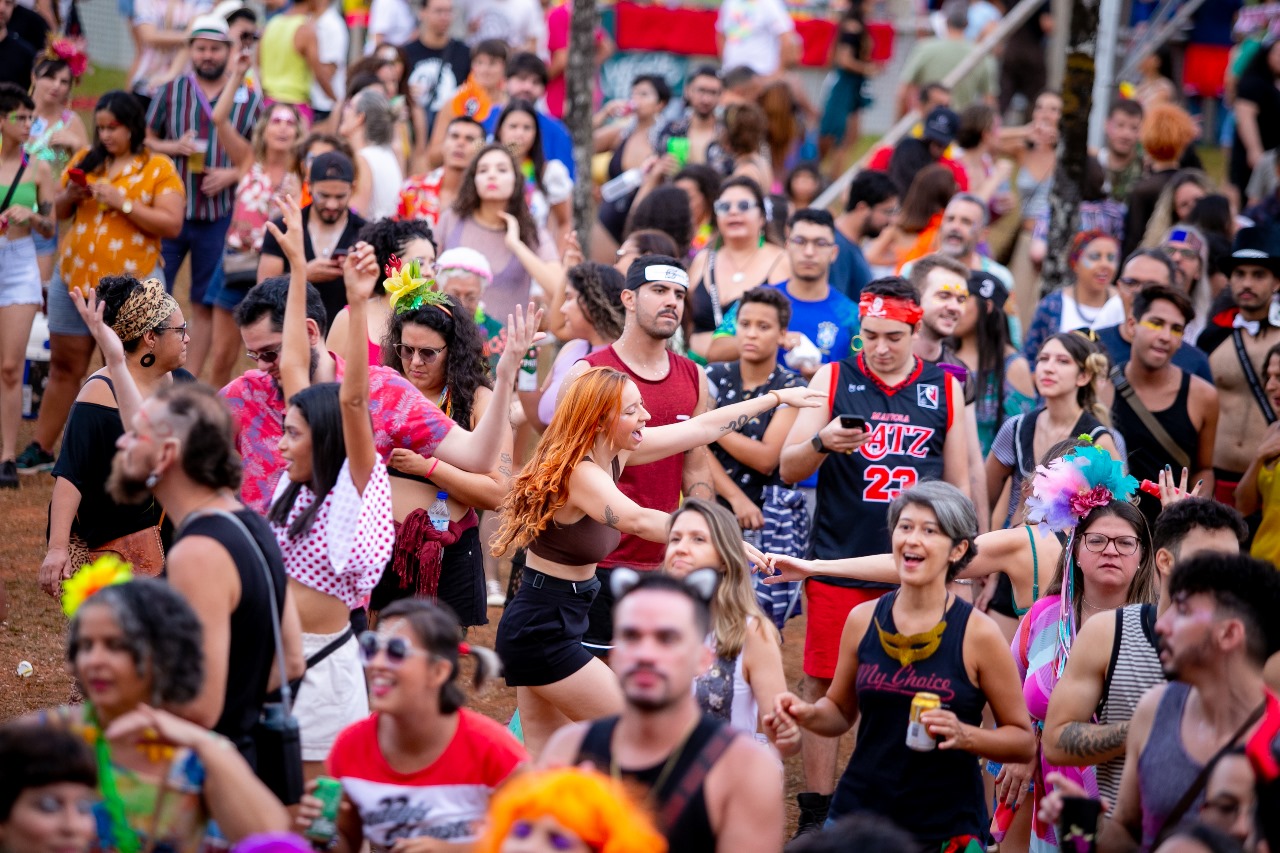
<point x="266" y="356"/>
<point x="396" y="649"/>
<point x="427" y="354"/>
<point x="743" y="205"/>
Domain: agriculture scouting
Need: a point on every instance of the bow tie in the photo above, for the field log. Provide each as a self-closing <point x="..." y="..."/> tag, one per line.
<point x="1250" y="326"/>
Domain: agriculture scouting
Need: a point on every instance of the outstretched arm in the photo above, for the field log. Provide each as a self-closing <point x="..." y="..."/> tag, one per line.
<point x="295" y="355"/>
<point x="360" y="277"/>
<point x="661" y="442"/>
<point x="477" y="450"/>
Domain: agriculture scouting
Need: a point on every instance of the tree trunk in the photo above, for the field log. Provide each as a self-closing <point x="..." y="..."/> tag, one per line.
<point x="580" y="75"/>
<point x="1077" y="100"/>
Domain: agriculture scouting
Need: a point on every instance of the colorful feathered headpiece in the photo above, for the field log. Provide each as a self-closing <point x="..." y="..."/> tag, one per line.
<point x="1067" y="489"/>
<point x="1063" y="493"/>
<point x="409" y="289"/>
<point x="70" y="52"/>
<point x="107" y="570"/>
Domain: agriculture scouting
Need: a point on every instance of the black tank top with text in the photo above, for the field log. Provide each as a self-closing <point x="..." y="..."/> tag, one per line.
<point x="908" y="426"/>
<point x="936" y="795"/>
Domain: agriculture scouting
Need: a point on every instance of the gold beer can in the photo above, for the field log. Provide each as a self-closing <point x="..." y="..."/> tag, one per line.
<point x="918" y="737"/>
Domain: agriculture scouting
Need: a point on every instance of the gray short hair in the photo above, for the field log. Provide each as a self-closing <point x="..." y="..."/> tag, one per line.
<point x="956" y="13"/>
<point x="379" y="120"/>
<point x="955" y="513"/>
<point x="972" y="199"/>
<point x="447" y="274"/>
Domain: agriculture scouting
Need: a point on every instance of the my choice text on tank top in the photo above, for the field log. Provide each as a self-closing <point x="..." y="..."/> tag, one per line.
<point x="582" y="543"/>
<point x="908" y="426"/>
<point x="936" y="795"/>
<point x="1133" y="670"/>
<point x="657" y="484"/>
<point x="691" y="831"/>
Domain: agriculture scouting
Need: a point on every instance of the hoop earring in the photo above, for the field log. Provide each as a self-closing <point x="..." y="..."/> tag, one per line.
<point x="856" y="344"/>
<point x="148" y="359"/>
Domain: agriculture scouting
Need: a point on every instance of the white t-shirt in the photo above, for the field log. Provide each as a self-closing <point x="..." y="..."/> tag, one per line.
<point x="514" y="21"/>
<point x="1110" y="314"/>
<point x="393" y="20"/>
<point x="752" y="30"/>
<point x="332" y="40"/>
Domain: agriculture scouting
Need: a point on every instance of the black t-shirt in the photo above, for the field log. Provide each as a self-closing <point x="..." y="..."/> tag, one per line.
<point x="334" y="293"/>
<point x="88" y="446"/>
<point x="16" y="58"/>
<point x="252" y="649"/>
<point x="439" y="71"/>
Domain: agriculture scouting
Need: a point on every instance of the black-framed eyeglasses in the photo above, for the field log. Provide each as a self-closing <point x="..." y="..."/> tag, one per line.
<point x="396" y="649"/>
<point x="1098" y="542"/>
<point x="181" y="330"/>
<point x="427" y="354"/>
<point x="743" y="205"/>
<point x="1185" y="252"/>
<point x="266" y="356"/>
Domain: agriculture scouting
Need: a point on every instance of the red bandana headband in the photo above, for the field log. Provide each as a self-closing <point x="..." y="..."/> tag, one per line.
<point x="889" y="308"/>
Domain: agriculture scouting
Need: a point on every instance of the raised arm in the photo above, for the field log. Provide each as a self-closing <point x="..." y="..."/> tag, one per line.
<point x="360" y="276"/>
<point x="476" y="450"/>
<point x="295" y="355"/>
<point x="239" y="149"/>
<point x="548" y="274"/>
<point x="128" y="397"/>
<point x="661" y="442"/>
<point x="594" y="492"/>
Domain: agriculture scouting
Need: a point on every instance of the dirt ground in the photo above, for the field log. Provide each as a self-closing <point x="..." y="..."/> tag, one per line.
<point x="35" y="627"/>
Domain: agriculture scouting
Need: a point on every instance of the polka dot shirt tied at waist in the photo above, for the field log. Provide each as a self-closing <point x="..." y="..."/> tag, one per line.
<point x="350" y="540"/>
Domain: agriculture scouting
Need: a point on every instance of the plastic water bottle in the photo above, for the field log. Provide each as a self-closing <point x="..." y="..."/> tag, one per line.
<point x="438" y="512"/>
<point x="627" y="182"/>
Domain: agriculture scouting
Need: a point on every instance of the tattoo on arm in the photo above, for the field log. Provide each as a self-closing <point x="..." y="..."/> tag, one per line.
<point x="505" y="467"/>
<point x="704" y="486"/>
<point x="610" y="517"/>
<point x="1089" y="739"/>
<point x="733" y="426"/>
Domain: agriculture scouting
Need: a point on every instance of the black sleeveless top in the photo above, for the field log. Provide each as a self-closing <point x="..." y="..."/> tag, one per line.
<point x="691" y="832"/>
<point x="582" y="543"/>
<point x="252" y="651"/>
<point x="1147" y="456"/>
<point x="908" y="427"/>
<point x="935" y="795"/>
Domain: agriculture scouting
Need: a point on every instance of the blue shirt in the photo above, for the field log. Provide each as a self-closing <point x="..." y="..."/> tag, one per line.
<point x="1190" y="358"/>
<point x="557" y="144"/>
<point x="851" y="272"/>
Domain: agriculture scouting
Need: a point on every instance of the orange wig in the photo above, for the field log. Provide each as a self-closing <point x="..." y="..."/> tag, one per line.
<point x="591" y="403"/>
<point x="593" y="807"/>
<point x="1167" y="130"/>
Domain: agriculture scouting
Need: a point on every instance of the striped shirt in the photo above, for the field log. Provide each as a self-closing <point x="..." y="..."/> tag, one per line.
<point x="1134" y="669"/>
<point x="176" y="109"/>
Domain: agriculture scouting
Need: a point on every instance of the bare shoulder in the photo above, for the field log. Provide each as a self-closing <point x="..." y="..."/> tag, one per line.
<point x="98" y="393"/>
<point x="563" y="746"/>
<point x="1202" y="390"/>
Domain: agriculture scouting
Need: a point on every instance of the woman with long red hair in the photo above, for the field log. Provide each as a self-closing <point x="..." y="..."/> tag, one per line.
<point x="566" y="507"/>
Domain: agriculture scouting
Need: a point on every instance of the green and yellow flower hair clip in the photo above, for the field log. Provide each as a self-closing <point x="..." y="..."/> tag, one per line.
<point x="409" y="289"/>
<point x="107" y="570"/>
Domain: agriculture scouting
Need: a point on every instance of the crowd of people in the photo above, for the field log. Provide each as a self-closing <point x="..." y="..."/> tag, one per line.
<point x="1033" y="534"/>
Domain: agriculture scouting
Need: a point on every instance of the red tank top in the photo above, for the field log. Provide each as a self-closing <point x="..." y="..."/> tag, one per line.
<point x="657" y="484"/>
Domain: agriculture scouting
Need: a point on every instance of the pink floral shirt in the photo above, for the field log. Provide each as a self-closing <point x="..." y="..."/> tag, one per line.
<point x="349" y="542"/>
<point x="420" y="198"/>
<point x="402" y="417"/>
<point x="255" y="198"/>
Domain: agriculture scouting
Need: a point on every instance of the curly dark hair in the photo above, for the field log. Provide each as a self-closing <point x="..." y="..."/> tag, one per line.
<point x="35" y="755"/>
<point x="128" y="111"/>
<point x="599" y="288"/>
<point x="159" y="630"/>
<point x="665" y="209"/>
<point x="1241" y="585"/>
<point x="536" y="154"/>
<point x="389" y="237"/>
<point x="465" y="367"/>
<point x="468" y="200"/>
<point x="209" y="454"/>
<point x="114" y="291"/>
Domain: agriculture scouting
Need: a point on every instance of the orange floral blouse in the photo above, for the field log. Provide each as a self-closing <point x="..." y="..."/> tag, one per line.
<point x="103" y="241"/>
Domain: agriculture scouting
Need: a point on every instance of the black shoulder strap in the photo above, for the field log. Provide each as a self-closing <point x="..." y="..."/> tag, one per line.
<point x="692" y="779"/>
<point x="106" y="379"/>
<point x="1251" y="376"/>
<point x="1158" y="432"/>
<point x="13" y="187"/>
<point x="595" y="743"/>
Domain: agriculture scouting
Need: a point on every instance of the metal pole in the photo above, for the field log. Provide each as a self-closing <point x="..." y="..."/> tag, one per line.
<point x="1017" y="16"/>
<point x="1056" y="62"/>
<point x="1140" y="52"/>
<point x="1108" y="36"/>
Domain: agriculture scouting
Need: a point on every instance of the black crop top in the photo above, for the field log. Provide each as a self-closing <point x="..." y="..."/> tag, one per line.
<point x="583" y="543"/>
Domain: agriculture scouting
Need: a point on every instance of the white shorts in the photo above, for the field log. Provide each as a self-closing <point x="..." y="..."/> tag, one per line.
<point x="332" y="695"/>
<point x="19" y="273"/>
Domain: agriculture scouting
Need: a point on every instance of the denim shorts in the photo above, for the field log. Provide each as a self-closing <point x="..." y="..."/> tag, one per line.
<point x="19" y="273"/>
